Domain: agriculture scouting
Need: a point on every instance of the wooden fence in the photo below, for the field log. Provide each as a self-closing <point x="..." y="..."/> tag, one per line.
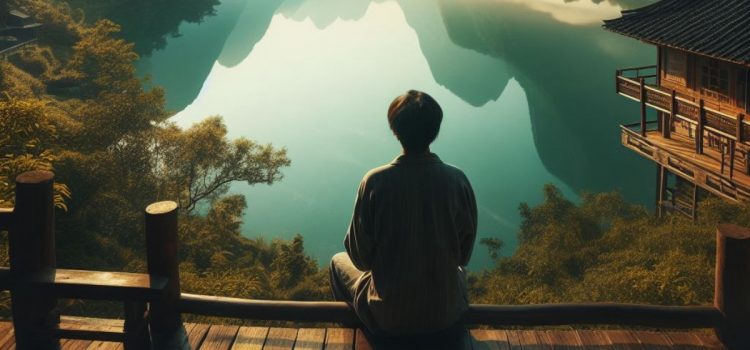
<point x="632" y="84"/>
<point x="153" y="303"/>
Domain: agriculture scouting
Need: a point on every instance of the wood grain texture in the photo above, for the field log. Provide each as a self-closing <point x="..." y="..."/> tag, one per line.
<point x="362" y="341"/>
<point x="710" y="341"/>
<point x="99" y="285"/>
<point x="339" y="339"/>
<point x="310" y="339"/>
<point x="623" y="340"/>
<point x="280" y="339"/>
<point x="684" y="340"/>
<point x="514" y="340"/>
<point x="250" y="338"/>
<point x="563" y="340"/>
<point x="652" y="340"/>
<point x="593" y="339"/>
<point x="219" y="337"/>
<point x="196" y="334"/>
<point x="533" y="340"/>
<point x="490" y="339"/>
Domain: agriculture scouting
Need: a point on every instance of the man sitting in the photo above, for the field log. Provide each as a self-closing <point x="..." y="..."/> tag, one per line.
<point x="412" y="231"/>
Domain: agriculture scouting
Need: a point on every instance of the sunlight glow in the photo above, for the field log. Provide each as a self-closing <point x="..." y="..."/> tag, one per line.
<point x="577" y="12"/>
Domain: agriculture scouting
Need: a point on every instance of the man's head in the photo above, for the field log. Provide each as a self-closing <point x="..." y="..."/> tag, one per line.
<point x="415" y="119"/>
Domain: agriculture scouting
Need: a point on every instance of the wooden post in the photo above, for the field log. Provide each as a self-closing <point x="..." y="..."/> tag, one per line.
<point x="669" y="119"/>
<point x="732" y="151"/>
<point x="732" y="293"/>
<point x="163" y="262"/>
<point x="32" y="253"/>
<point x="643" y="107"/>
<point x="699" y="128"/>
<point x="739" y="135"/>
<point x="617" y="81"/>
<point x="136" y="327"/>
<point x="661" y="182"/>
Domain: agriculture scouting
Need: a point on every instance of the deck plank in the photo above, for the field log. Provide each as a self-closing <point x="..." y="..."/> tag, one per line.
<point x="593" y="339"/>
<point x="564" y="340"/>
<point x="710" y="341"/>
<point x="250" y="338"/>
<point x="8" y="340"/>
<point x="104" y="345"/>
<point x="280" y="339"/>
<point x="213" y="337"/>
<point x="514" y="340"/>
<point x="74" y="344"/>
<point x="219" y="337"/>
<point x="196" y="334"/>
<point x="531" y="340"/>
<point x="653" y="340"/>
<point x="361" y="341"/>
<point x="490" y="339"/>
<point x="623" y="340"/>
<point x="339" y="339"/>
<point x="684" y="341"/>
<point x="310" y="339"/>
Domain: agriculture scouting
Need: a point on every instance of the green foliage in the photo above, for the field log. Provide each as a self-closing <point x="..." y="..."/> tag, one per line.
<point x="148" y="23"/>
<point x="25" y="145"/>
<point x="209" y="163"/>
<point x="603" y="249"/>
<point x="77" y="106"/>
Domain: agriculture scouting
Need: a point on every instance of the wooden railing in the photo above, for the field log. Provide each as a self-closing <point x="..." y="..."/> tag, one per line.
<point x="631" y="84"/>
<point x="153" y="302"/>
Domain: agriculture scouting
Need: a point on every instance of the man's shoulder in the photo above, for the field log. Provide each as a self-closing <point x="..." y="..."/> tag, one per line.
<point x="377" y="173"/>
<point x="387" y="170"/>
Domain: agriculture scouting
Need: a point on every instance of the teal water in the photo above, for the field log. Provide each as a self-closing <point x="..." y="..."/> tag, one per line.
<point x="527" y="88"/>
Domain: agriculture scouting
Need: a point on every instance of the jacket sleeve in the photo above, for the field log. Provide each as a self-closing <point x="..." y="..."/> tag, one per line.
<point x="467" y="223"/>
<point x="359" y="241"/>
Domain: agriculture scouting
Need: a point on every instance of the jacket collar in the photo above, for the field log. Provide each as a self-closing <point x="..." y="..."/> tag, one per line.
<point x="425" y="158"/>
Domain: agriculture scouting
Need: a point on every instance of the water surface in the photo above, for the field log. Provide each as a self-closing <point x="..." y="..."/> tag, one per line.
<point x="526" y="88"/>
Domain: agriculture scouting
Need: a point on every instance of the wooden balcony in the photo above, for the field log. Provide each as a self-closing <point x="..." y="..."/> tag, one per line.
<point x="154" y="305"/>
<point x="677" y="154"/>
<point x="635" y="85"/>
<point x="226" y="337"/>
<point x="698" y="144"/>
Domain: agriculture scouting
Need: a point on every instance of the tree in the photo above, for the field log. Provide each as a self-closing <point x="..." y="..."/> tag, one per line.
<point x="200" y="163"/>
<point x="25" y="145"/>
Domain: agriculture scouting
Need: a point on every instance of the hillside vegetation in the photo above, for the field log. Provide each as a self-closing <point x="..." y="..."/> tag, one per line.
<point x="74" y="105"/>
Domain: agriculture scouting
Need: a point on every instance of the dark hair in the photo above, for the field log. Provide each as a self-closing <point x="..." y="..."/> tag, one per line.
<point x="415" y="119"/>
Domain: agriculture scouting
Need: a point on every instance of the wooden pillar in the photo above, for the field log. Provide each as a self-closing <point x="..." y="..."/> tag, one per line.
<point x="643" y="106"/>
<point x="661" y="184"/>
<point x="732" y="151"/>
<point x="699" y="128"/>
<point x="669" y="119"/>
<point x="136" y="326"/>
<point x="167" y="330"/>
<point x="740" y="126"/>
<point x="732" y="290"/>
<point x="32" y="253"/>
<point x="694" y="213"/>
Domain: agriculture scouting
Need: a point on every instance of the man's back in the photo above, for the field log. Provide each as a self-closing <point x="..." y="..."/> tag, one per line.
<point x="413" y="226"/>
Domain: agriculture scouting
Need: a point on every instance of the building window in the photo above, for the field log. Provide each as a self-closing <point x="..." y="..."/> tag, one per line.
<point x="715" y="80"/>
<point x="675" y="66"/>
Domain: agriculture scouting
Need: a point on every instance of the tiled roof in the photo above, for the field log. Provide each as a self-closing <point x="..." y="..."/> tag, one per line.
<point x="716" y="28"/>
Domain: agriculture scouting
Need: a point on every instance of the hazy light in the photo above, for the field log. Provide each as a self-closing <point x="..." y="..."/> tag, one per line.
<point x="577" y="12"/>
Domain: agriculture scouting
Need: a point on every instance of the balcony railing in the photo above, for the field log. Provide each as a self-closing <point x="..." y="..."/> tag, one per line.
<point x="634" y="84"/>
<point x="154" y="304"/>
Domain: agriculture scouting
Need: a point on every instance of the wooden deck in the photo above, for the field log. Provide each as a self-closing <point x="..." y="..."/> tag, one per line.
<point x="678" y="155"/>
<point x="217" y="337"/>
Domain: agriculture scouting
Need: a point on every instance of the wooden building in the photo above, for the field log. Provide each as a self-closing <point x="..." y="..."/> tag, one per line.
<point x="700" y="138"/>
